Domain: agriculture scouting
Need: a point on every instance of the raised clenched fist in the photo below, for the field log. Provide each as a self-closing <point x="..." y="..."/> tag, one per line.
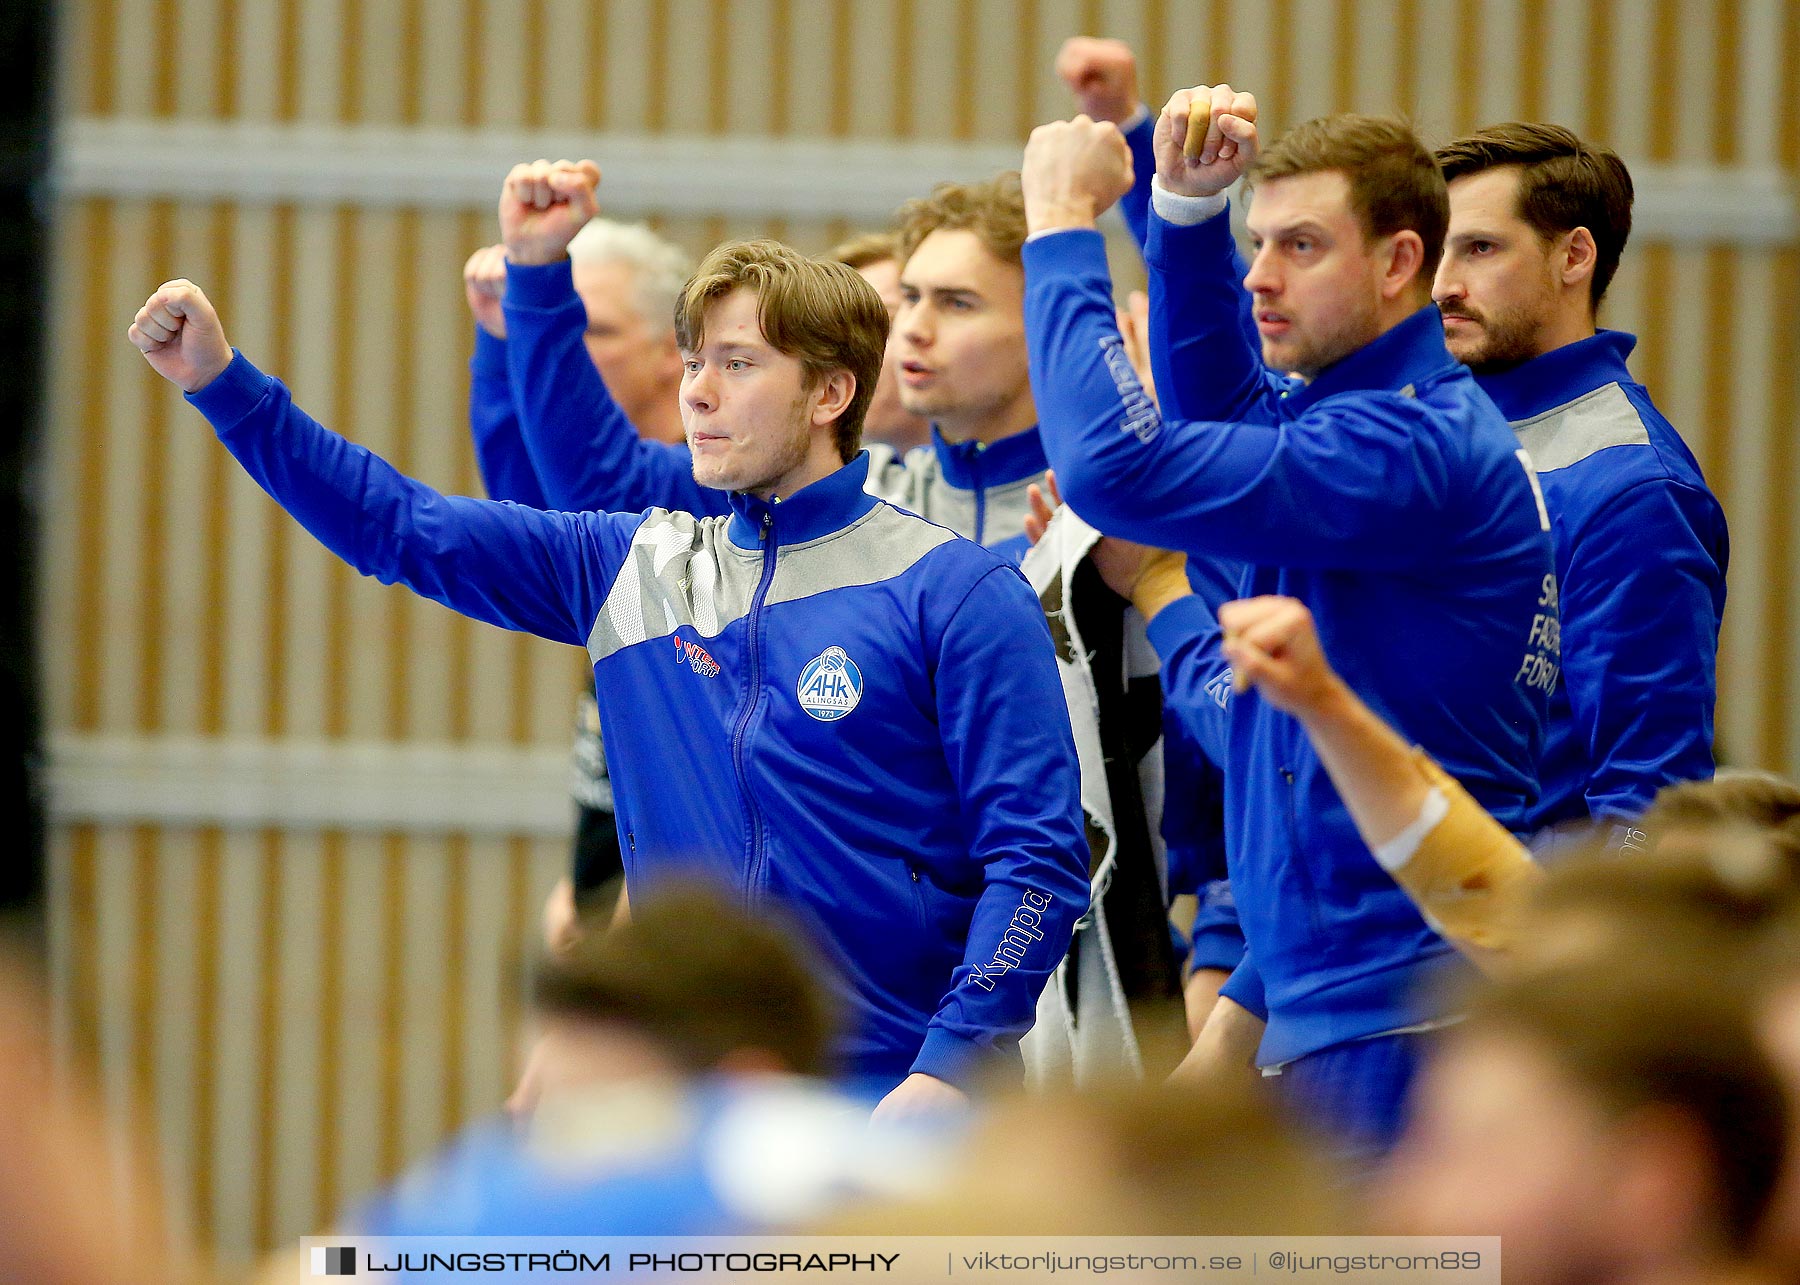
<point x="1224" y="139"/>
<point x="543" y="204"/>
<point x="179" y="334"/>
<point x="484" y="286"/>
<point x="1073" y="170"/>
<point x="1273" y="644"/>
<point x="1102" y="74"/>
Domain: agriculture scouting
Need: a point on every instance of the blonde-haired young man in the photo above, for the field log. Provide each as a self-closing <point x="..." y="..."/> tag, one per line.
<point x="958" y="341"/>
<point x="876" y="255"/>
<point x="816" y="699"/>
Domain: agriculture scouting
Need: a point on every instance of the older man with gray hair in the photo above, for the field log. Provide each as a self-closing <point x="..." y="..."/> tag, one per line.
<point x="628" y="278"/>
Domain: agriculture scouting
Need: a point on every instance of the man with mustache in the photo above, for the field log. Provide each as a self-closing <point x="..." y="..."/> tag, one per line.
<point x="1538" y="220"/>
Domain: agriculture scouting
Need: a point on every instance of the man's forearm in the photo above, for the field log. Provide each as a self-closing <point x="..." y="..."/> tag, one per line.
<point x="1369" y="764"/>
<point x="500" y="456"/>
<point x="585" y="452"/>
<point x="502" y="564"/>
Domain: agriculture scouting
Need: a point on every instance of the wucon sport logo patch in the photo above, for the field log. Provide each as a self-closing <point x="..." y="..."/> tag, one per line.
<point x="830" y="685"/>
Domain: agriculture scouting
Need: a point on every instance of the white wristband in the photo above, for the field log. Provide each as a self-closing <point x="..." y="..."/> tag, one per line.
<point x="1397" y="851"/>
<point x="1184" y="211"/>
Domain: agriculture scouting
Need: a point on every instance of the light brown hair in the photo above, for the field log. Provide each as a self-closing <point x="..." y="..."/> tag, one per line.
<point x="866" y="248"/>
<point x="1759" y="802"/>
<point x="821" y="313"/>
<point x="994" y="210"/>
<point x="1395" y="183"/>
<point x="1564" y="184"/>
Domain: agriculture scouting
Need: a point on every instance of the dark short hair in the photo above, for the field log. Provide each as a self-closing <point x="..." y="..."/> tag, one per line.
<point x="699" y="978"/>
<point x="1395" y="184"/>
<point x="1564" y="184"/>
<point x="1637" y="1030"/>
<point x="822" y="313"/>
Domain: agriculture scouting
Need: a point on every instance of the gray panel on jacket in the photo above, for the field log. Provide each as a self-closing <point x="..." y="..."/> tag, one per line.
<point x="883" y="544"/>
<point x="683" y="570"/>
<point x="1569" y="433"/>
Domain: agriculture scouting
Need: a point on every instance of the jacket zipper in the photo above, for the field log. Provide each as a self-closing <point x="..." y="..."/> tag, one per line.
<point x="752" y="817"/>
<point x="980" y="502"/>
<point x="918" y="897"/>
<point x="1302" y="870"/>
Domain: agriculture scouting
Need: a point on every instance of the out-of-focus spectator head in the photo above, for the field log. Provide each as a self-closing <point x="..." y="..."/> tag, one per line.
<point x="959" y="336"/>
<point x="1538" y="220"/>
<point x="876" y="255"/>
<point x="1718" y="895"/>
<point x="1347" y="215"/>
<point x="80" y="1200"/>
<point x="1688" y="815"/>
<point x="1723" y="866"/>
<point x="1127" y="1159"/>
<point x="1779" y="1023"/>
<point x="629" y="278"/>
<point x="1611" y="1119"/>
<point x="689" y="986"/>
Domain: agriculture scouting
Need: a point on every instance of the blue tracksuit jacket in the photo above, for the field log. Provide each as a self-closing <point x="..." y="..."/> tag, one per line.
<point x="572" y="439"/>
<point x="1390" y="496"/>
<point x="1641" y="549"/>
<point x="823" y="703"/>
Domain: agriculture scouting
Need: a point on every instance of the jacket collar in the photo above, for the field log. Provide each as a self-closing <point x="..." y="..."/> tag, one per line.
<point x="1409" y="354"/>
<point x="830" y="504"/>
<point x="970" y="466"/>
<point x="1561" y="375"/>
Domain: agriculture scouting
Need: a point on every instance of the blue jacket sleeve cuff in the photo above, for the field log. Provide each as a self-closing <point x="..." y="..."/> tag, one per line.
<point x="1175" y="243"/>
<point x="1218" y="940"/>
<point x="1218" y="948"/>
<point x="1071" y="252"/>
<point x="234" y="394"/>
<point x="1245" y="989"/>
<point x="490" y="355"/>
<point x="957" y="1061"/>
<point x="540" y="285"/>
<point x="1178" y="623"/>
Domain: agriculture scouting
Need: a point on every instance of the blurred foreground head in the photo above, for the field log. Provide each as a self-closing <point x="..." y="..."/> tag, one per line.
<point x="1127" y="1159"/>
<point x="80" y="1203"/>
<point x="1689" y="814"/>
<point x="1613" y="1118"/>
<point x="668" y="1095"/>
<point x="689" y="986"/>
<point x="1723" y="870"/>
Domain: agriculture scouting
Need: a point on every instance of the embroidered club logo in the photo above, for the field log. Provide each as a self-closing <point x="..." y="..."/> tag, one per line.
<point x="696" y="657"/>
<point x="830" y="685"/>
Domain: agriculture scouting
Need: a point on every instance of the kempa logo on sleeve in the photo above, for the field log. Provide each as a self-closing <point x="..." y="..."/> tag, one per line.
<point x="830" y="685"/>
<point x="1141" y="418"/>
<point x="334" y="1260"/>
<point x="1014" y="942"/>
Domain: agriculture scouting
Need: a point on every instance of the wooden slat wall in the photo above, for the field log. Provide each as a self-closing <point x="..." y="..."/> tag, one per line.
<point x="298" y="1013"/>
